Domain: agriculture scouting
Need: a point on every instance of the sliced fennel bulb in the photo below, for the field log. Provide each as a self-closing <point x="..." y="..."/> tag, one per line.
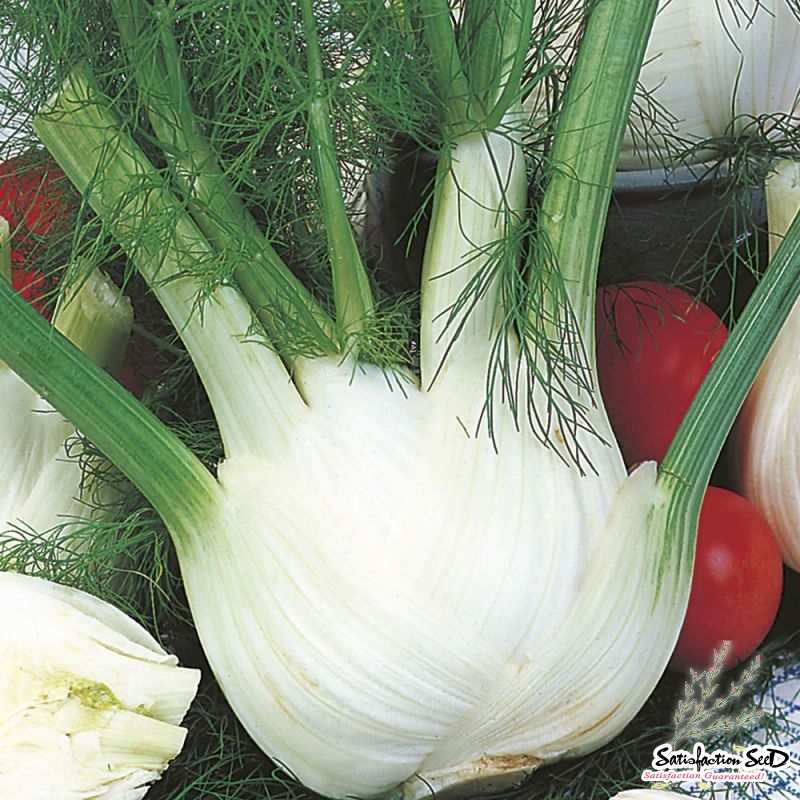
<point x="400" y="582"/>
<point x="91" y="704"/>
<point x="711" y="68"/>
<point x="767" y="439"/>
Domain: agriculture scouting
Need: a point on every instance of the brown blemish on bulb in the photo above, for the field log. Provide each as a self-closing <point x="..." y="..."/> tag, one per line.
<point x="485" y="775"/>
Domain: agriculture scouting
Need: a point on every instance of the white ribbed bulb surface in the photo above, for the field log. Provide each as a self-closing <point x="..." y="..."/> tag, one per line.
<point x="41" y="484"/>
<point x="390" y="596"/>
<point x="767" y="433"/>
<point x="713" y="65"/>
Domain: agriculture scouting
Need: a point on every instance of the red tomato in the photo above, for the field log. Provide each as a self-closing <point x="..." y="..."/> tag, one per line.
<point x="655" y="345"/>
<point x="736" y="584"/>
<point x="40" y="205"/>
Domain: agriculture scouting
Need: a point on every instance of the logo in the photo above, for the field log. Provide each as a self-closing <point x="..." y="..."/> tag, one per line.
<point x="703" y="712"/>
<point x="747" y="765"/>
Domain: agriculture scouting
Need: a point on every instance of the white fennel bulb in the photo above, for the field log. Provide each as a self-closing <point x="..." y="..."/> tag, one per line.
<point x="46" y="487"/>
<point x="34" y="458"/>
<point x="408" y="591"/>
<point x="767" y="433"/>
<point x="375" y="579"/>
<point x="90" y="704"/>
<point x="710" y="69"/>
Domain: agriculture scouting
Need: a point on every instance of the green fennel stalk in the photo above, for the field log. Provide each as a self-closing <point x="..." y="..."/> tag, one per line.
<point x="276" y="295"/>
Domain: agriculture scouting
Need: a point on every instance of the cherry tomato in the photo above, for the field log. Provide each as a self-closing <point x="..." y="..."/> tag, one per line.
<point x="40" y="205"/>
<point x="655" y="344"/>
<point x="737" y="583"/>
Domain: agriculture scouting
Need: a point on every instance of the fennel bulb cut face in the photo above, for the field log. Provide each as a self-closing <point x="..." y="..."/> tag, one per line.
<point x="91" y="704"/>
<point x="386" y="595"/>
<point x="713" y="65"/>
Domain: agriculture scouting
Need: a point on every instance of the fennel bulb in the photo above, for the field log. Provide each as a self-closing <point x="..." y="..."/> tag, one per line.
<point x="404" y="579"/>
<point x="767" y="434"/>
<point x="711" y="69"/>
<point x="410" y="577"/>
<point x="91" y="704"/>
<point x="46" y="489"/>
<point x="374" y="576"/>
<point x="411" y="569"/>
